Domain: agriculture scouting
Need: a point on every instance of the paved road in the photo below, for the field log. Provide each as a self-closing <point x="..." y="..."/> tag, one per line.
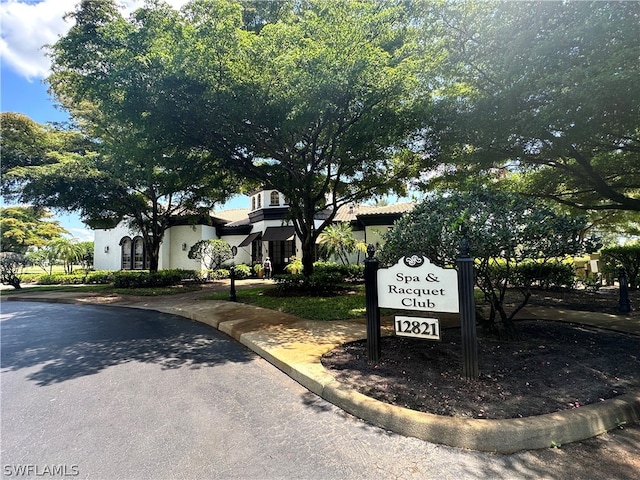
<point x="115" y="393"/>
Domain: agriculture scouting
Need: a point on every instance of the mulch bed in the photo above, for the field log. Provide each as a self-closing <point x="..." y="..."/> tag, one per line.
<point x="552" y="366"/>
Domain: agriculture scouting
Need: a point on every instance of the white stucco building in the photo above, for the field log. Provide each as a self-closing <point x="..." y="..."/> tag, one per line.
<point x="254" y="233"/>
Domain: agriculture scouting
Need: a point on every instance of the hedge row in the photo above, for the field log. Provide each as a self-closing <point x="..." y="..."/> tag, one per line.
<point x="76" y="278"/>
<point x="346" y="272"/>
<point x="320" y="283"/>
<point x="161" y="278"/>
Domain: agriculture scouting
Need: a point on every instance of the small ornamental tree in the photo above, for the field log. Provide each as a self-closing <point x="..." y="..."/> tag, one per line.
<point x="212" y="253"/>
<point x="11" y="267"/>
<point x="505" y="232"/>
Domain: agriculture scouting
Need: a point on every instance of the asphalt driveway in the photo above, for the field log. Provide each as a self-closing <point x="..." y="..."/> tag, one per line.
<point x="119" y="393"/>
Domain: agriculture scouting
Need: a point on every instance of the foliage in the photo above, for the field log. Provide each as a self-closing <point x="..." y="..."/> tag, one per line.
<point x="96" y="277"/>
<point x="25" y="143"/>
<point x="213" y="253"/>
<point x="347" y="272"/>
<point x="69" y="251"/>
<point x="65" y="251"/>
<point x="294" y="266"/>
<point x="320" y="104"/>
<point x="544" y="89"/>
<point x="242" y="271"/>
<point x="622" y="256"/>
<point x="61" y="279"/>
<point x="144" y="279"/>
<point x="99" y="277"/>
<point x="544" y="275"/>
<point x="112" y="75"/>
<point x="24" y="227"/>
<point x="503" y="230"/>
<point x="317" y="284"/>
<point x="44" y="258"/>
<point x="337" y="240"/>
<point x="86" y="255"/>
<point x="11" y="267"/>
<point x="218" y="274"/>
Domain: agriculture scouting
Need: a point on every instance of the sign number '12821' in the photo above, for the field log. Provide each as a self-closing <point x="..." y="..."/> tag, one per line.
<point x="428" y="328"/>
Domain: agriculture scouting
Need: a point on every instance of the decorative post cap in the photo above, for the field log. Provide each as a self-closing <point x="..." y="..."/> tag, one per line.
<point x="464" y="247"/>
<point x="371" y="251"/>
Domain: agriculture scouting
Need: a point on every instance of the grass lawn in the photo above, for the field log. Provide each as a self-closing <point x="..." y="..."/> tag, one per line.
<point x="348" y="305"/>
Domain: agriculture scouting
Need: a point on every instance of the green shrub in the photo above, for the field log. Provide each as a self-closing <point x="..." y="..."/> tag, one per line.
<point x="61" y="279"/>
<point x="188" y="275"/>
<point x="218" y="274"/>
<point x="347" y="272"/>
<point x="318" y="284"/>
<point x="623" y="256"/>
<point x="242" y="271"/>
<point x="100" y="277"/>
<point x="144" y="279"/>
<point x="30" y="277"/>
<point x="543" y="275"/>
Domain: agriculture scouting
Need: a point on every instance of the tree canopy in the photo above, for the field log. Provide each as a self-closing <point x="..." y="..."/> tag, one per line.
<point x="320" y="100"/>
<point x="24" y="227"/>
<point x="110" y="74"/>
<point x="504" y="231"/>
<point x="547" y="90"/>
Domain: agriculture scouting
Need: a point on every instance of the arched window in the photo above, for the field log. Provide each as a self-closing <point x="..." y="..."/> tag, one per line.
<point x="259" y="200"/>
<point x="275" y="198"/>
<point x="133" y="254"/>
<point x="253" y="203"/>
<point x="138" y="253"/>
<point x="126" y="249"/>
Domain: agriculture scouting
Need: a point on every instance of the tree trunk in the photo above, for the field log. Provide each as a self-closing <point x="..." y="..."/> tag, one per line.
<point x="308" y="252"/>
<point x="154" y="259"/>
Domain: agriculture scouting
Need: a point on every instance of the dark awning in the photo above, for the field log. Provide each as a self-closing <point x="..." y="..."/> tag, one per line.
<point x="247" y="241"/>
<point x="278" y="233"/>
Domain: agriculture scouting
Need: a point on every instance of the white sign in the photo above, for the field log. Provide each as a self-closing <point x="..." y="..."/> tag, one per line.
<point x="428" y="328"/>
<point x="414" y="283"/>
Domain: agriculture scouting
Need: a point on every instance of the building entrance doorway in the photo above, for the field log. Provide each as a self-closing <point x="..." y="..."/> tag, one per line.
<point x="280" y="252"/>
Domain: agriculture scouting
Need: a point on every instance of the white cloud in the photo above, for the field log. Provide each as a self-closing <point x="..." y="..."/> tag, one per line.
<point x="29" y="25"/>
<point x="83" y="234"/>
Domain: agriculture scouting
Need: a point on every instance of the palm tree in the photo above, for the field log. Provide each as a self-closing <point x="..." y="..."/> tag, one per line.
<point x="337" y="240"/>
<point x="70" y="251"/>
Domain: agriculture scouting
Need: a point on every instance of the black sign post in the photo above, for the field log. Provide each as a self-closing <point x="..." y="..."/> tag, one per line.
<point x="467" y="312"/>
<point x="373" y="310"/>
<point x="232" y="276"/>
<point x="624" y="304"/>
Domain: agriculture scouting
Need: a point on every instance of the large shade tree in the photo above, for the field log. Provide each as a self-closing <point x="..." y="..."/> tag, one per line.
<point x="326" y="102"/>
<point x="323" y="104"/>
<point x="320" y="104"/>
<point x="110" y="74"/>
<point x="548" y="90"/>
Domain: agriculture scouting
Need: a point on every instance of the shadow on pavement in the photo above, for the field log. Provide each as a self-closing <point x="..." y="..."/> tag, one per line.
<point x="67" y="343"/>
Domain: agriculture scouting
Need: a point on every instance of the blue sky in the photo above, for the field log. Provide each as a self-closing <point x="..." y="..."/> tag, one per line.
<point x="27" y="25"/>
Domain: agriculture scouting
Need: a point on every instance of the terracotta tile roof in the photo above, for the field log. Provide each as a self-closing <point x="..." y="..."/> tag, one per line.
<point x="233" y="215"/>
<point x="348" y="213"/>
<point x="398" y="208"/>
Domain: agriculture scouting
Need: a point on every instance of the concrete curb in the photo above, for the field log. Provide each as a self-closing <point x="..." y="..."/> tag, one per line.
<point x="296" y="347"/>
